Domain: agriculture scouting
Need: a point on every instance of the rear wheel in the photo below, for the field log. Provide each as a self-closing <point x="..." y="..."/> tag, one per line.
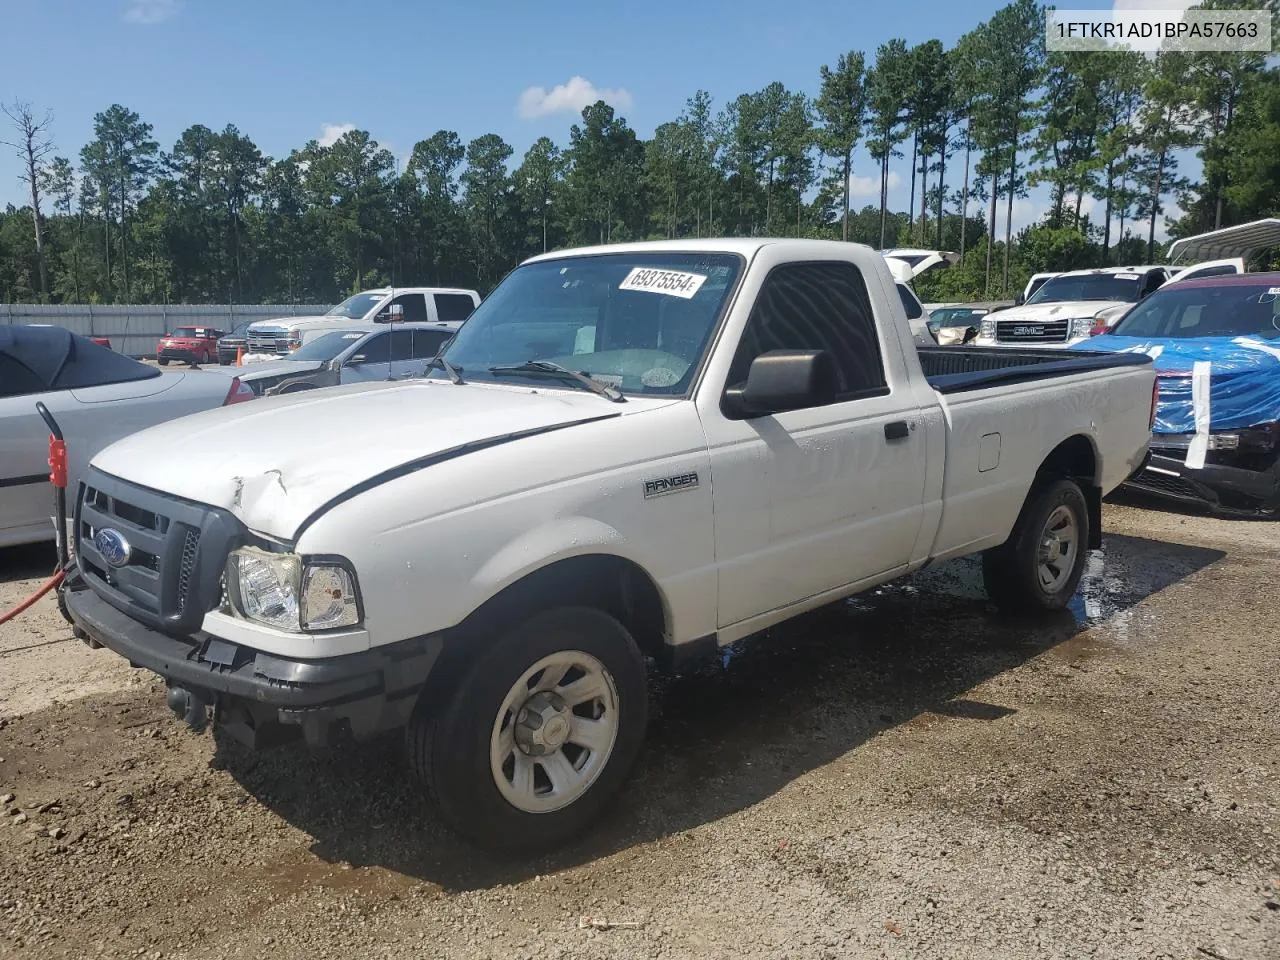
<point x="539" y="733"/>
<point x="1039" y="566"/>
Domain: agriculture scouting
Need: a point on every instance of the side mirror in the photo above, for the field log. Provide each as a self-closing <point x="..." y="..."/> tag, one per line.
<point x="782" y="380"/>
<point x="393" y="314"/>
<point x="355" y="361"/>
<point x="1019" y="300"/>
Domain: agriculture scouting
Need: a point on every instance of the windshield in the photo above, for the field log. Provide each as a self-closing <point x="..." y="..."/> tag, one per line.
<point x="954" y="316"/>
<point x="1089" y="286"/>
<point x="636" y="321"/>
<point x="325" y="344"/>
<point x="354" y="308"/>
<point x="1234" y="310"/>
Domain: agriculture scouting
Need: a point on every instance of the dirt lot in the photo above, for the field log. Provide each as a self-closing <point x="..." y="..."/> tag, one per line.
<point x="903" y="775"/>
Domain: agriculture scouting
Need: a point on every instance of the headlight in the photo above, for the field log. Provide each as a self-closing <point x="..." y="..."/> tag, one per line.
<point x="1079" y="327"/>
<point x="279" y="590"/>
<point x="987" y="330"/>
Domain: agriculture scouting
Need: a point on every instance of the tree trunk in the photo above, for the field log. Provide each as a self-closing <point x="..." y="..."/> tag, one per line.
<point x="124" y="238"/>
<point x="964" y="194"/>
<point x="35" y="217"/>
<point x="942" y="184"/>
<point x="848" y="173"/>
<point x="884" y="192"/>
<point x="1222" y="179"/>
<point x="1079" y="201"/>
<point x="924" y="199"/>
<point x="1106" y="228"/>
<point x="1008" y="217"/>
<point x="991" y="229"/>
<point x="1155" y="206"/>
<point x="911" y="193"/>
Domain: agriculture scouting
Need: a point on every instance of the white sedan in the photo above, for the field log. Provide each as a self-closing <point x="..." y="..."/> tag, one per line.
<point x="97" y="396"/>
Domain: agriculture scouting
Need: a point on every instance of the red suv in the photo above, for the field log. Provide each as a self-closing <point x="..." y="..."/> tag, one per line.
<point x="189" y="345"/>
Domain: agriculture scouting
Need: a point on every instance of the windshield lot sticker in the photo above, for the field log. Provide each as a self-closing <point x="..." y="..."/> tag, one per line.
<point x="674" y="283"/>
<point x="659" y="377"/>
<point x="661" y="486"/>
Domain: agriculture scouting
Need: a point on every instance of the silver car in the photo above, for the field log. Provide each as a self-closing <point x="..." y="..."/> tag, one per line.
<point x="357" y="352"/>
<point x="97" y="396"/>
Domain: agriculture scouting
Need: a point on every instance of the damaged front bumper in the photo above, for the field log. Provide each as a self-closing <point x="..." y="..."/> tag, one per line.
<point x="1233" y="481"/>
<point x="262" y="699"/>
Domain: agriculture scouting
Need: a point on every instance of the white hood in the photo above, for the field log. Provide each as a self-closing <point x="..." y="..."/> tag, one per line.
<point x="283" y="323"/>
<point x="273" y="462"/>
<point x="1070" y="309"/>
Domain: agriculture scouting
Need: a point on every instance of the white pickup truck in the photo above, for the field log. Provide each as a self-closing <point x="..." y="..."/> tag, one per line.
<point x="627" y="453"/>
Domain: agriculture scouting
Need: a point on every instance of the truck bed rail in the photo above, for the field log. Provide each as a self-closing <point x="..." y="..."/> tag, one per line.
<point x="957" y="369"/>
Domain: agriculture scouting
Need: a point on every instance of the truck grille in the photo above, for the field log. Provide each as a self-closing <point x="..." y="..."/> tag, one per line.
<point x="1029" y="331"/>
<point x="266" y="340"/>
<point x="168" y="575"/>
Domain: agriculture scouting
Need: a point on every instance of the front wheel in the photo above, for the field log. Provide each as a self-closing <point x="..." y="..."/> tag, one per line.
<point x="1039" y="566"/>
<point x="163" y="363"/>
<point x="539" y="732"/>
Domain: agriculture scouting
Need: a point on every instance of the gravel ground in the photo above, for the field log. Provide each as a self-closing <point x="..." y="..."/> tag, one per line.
<point x="903" y="775"/>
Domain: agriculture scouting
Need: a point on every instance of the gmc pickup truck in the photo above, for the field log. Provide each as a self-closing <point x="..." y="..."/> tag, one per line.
<point x="628" y="455"/>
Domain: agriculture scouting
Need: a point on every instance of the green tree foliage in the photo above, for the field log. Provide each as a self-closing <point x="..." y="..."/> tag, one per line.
<point x="210" y="218"/>
<point x="842" y="108"/>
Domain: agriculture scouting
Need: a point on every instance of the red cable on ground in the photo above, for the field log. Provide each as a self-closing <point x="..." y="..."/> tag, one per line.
<point x="48" y="585"/>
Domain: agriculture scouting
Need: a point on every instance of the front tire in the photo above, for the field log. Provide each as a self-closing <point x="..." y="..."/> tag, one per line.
<point x="163" y="363"/>
<point x="1038" y="568"/>
<point x="538" y="733"/>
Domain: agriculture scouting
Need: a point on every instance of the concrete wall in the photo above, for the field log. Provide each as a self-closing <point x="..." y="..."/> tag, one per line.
<point x="134" y="329"/>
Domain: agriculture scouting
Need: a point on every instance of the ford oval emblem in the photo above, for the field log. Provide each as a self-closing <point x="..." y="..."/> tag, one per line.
<point x="113" y="547"/>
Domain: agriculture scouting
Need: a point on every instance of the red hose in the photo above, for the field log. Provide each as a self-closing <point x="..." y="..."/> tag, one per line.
<point x="48" y="585"/>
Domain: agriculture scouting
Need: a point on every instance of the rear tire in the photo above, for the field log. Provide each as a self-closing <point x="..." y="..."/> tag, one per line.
<point x="482" y="752"/>
<point x="1038" y="568"/>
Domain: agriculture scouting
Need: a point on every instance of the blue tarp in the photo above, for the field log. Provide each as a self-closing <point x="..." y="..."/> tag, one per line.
<point x="1244" y="378"/>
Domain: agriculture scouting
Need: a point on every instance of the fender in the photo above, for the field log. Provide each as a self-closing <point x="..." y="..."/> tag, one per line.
<point x="550" y="543"/>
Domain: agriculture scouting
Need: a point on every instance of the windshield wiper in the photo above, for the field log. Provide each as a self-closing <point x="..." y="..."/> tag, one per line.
<point x="440" y="363"/>
<point x="547" y="368"/>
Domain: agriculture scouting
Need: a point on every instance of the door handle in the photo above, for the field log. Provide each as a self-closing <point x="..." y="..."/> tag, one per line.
<point x="896" y="430"/>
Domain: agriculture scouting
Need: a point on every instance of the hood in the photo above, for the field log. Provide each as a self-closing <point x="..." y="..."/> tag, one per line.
<point x="286" y="322"/>
<point x="274" y="462"/>
<point x="1071" y="309"/>
<point x="261" y="370"/>
<point x="1243" y="372"/>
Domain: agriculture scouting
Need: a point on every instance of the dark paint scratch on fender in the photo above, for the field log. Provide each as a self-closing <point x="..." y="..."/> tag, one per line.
<point x="441" y="456"/>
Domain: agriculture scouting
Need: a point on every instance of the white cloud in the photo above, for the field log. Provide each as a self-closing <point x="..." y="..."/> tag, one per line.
<point x="331" y="133"/>
<point x="151" y="11"/>
<point x="569" y="97"/>
<point x="870" y="186"/>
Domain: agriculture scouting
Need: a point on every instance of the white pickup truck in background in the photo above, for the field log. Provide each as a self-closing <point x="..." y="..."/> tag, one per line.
<point x="631" y="452"/>
<point x="269" y="338"/>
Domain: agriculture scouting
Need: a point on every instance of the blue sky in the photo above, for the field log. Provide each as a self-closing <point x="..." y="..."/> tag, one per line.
<point x="286" y="71"/>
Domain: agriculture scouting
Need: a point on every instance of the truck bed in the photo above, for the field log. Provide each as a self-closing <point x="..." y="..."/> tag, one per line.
<point x="958" y="369"/>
